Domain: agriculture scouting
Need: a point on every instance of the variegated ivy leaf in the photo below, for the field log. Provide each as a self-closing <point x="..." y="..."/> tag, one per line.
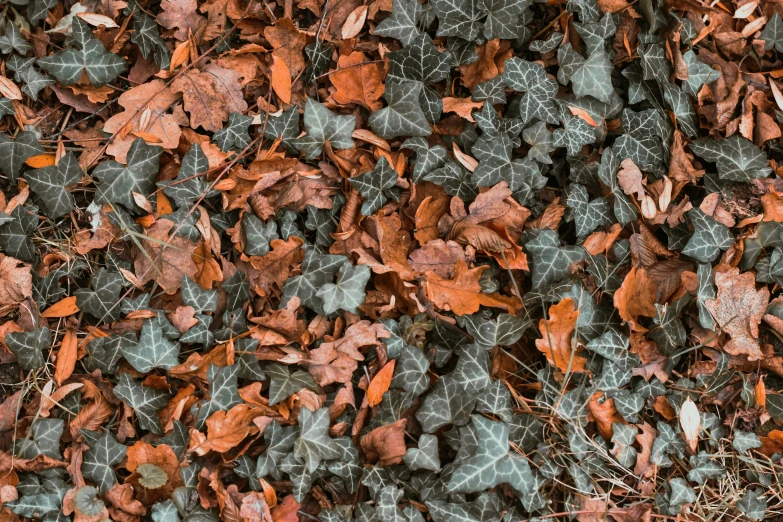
<point x="403" y="115"/>
<point x="38" y="10"/>
<point x="104" y="353"/>
<point x="427" y="158"/>
<point x="403" y="22"/>
<point x="704" y="468"/>
<point x="317" y="270"/>
<point x="193" y="294"/>
<point x="373" y="184"/>
<point x="283" y="383"/>
<point x="14" y="152"/>
<point x="285" y="126"/>
<point x="145" y="401"/>
<point x="348" y="465"/>
<point x="320" y="57"/>
<point x="752" y="504"/>
<point x="386" y="500"/>
<point x="235" y="134"/>
<point x="496" y="165"/>
<point x="47" y="289"/>
<point x="472" y="370"/>
<point x="504" y="330"/>
<point x="165" y="511"/>
<point x="258" y="234"/>
<point x="12" y="40"/>
<point x="14" y="234"/>
<point x="44" y="439"/>
<point x="668" y="443"/>
<point x="6" y="107"/>
<point x="101" y="302"/>
<point x="700" y="73"/>
<point x="679" y="495"/>
<point x="522" y="75"/>
<point x="99" y="459"/>
<point x="455" y="180"/>
<point x="50" y="185"/>
<point x="146" y="34"/>
<point x="410" y="372"/>
<point x="550" y="44"/>
<point x="549" y="261"/>
<point x="745" y="441"/>
<point x="118" y="181"/>
<point x="301" y="479"/>
<point x="624" y="437"/>
<point x="39" y="505"/>
<point x="541" y="143"/>
<point x="323" y="125"/>
<point x="496" y="401"/>
<point x="279" y="441"/>
<point x="425" y="456"/>
<point x="503" y="18"/>
<point x="655" y="65"/>
<point x="669" y="332"/>
<point x="613" y="346"/>
<point x="447" y="403"/>
<point x="152" y="351"/>
<point x="28" y="346"/>
<point x="594" y="77"/>
<point x="773" y="34"/>
<point x="624" y="210"/>
<point x="681" y="104"/>
<point x="459" y="18"/>
<point x="314" y="443"/>
<point x="575" y="134"/>
<point x="538" y="103"/>
<point x="491" y="124"/>
<point x="347" y="293"/>
<point x="442" y="511"/>
<point x="596" y="34"/>
<point x="738" y="159"/>
<point x="708" y="239"/>
<point x="91" y="57"/>
<point x="588" y="215"/>
<point x="492" y="91"/>
<point x="189" y="185"/>
<point x="492" y="463"/>
<point x="223" y="393"/>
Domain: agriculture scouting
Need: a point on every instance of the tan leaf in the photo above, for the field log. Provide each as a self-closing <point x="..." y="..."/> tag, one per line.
<point x="636" y="297"/>
<point x="354" y="23"/>
<point x="66" y="356"/>
<point x="286" y="510"/>
<point x="281" y="79"/>
<point x="225" y="430"/>
<point x="380" y="383"/>
<point x="738" y="310"/>
<point x="629" y="177"/>
<point x="9" y="89"/>
<point x="358" y="82"/>
<point x="439" y="257"/>
<point x="386" y="444"/>
<point x="690" y="421"/>
<point x="335" y="361"/>
<point x="557" y="342"/>
<point x="288" y="43"/>
<point x="644" y="468"/>
<point x="182" y="15"/>
<point x="162" y="259"/>
<point x="16" y="280"/>
<point x="210" y="95"/>
<point x="463" y="107"/>
<point x="462" y="294"/>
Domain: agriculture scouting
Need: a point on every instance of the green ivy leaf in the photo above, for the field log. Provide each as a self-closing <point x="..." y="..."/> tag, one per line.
<point x="447" y="403"/>
<point x="44" y="439"/>
<point x="16" y="151"/>
<point x="99" y="459"/>
<point x="496" y="401"/>
<point x="772" y="34"/>
<point x="410" y="372"/>
<point x="427" y="158"/>
<point x="223" y="393"/>
<point x="704" y="468"/>
<point x="39" y="9"/>
<point x="402" y="23"/>
<point x="28" y="346"/>
<point x="403" y="115"/>
<point x="588" y="215"/>
<point x="314" y="443"/>
<point x="372" y="185"/>
<point x="425" y="456"/>
<point x="700" y="73"/>
<point x="104" y="353"/>
<point x="91" y="57"/>
<point x="101" y="303"/>
<point x="708" y="239"/>
<point x="348" y="465"/>
<point x="323" y="125"/>
<point x="668" y="443"/>
<point x="751" y="504"/>
<point x="258" y="235"/>
<point x="50" y="185"/>
<point x="165" y="511"/>
<point x="146" y="34"/>
<point x="235" y="134"/>
<point x="538" y="103"/>
<point x="279" y="441"/>
<point x="317" y="271"/>
<point x="145" y="401"/>
<point x="596" y="34"/>
<point x="118" y="181"/>
<point x="503" y="18"/>
<point x="12" y="40"/>
<point x="200" y="299"/>
<point x="455" y="180"/>
<point x="284" y="383"/>
<point x="737" y="157"/>
<point x="745" y="441"/>
<point x="549" y="260"/>
<point x="189" y="185"/>
<point x="594" y="77"/>
<point x="25" y="73"/>
<point x="285" y="126"/>
<point x="40" y="505"/>
<point x="459" y="18"/>
<point x="152" y="351"/>
<point x="472" y="370"/>
<point x="504" y="330"/>
<point x="151" y="476"/>
<point x="348" y="292"/>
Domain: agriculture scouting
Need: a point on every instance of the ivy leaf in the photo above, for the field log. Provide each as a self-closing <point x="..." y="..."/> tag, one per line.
<point x="704" y="468"/>
<point x="472" y="371"/>
<point x="458" y="18"/>
<point x="680" y="494"/>
<point x="700" y="73"/>
<point x="323" y="125"/>
<point x="146" y="34"/>
<point x="541" y="143"/>
<point x="279" y="441"/>
<point x="283" y="383"/>
<point x="504" y="330"/>
<point x="596" y="34"/>
<point x="745" y="441"/>
<point x="16" y="151"/>
<point x="200" y="299"/>
<point x="669" y="333"/>
<point x="455" y="180"/>
<point x="402" y="22"/>
<point x="403" y="115"/>
<point x="104" y="353"/>
<point x="152" y="351"/>
<point x="751" y="504"/>
<point x="145" y="401"/>
<point x="738" y="159"/>
<point x="165" y="511"/>
<point x="492" y="91"/>
<point x="258" y="235"/>
<point x="40" y="505"/>
<point x="668" y="443"/>
<point x="189" y="185"/>
<point x="594" y="77"/>
<point x="317" y="271"/>
<point x="522" y="75"/>
<point x="44" y="439"/>
<point x="28" y="346"/>
<point x="118" y="181"/>
<point x="447" y="403"/>
<point x="772" y="34"/>
<point x="284" y="126"/>
<point x="492" y="463"/>
<point x="496" y="165"/>
<point x="348" y="292"/>
<point x="50" y="185"/>
<point x="708" y="239"/>
<point x="348" y="465"/>
<point x="410" y="372"/>
<point x="503" y="18"/>
<point x="91" y="57"/>
<point x="371" y="185"/>
<point x="223" y="393"/>
<point x="550" y="261"/>
<point x="12" y="40"/>
<point x="39" y="9"/>
<point x="425" y="456"/>
<point x="99" y="459"/>
<point x="623" y="437"/>
<point x="314" y="443"/>
<point x="588" y="215"/>
<point x="496" y="401"/>
<point x="427" y="158"/>
<point x="101" y="303"/>
<point x="645" y="152"/>
<point x="538" y="103"/>
<point x="624" y="210"/>
<point x="441" y="511"/>
<point x="33" y="80"/>
<point x="235" y="134"/>
<point x="575" y="134"/>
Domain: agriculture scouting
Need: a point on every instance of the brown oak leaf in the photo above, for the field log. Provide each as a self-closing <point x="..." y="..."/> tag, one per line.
<point x="16" y="280"/>
<point x="355" y="83"/>
<point x="210" y="95"/>
<point x="557" y="343"/>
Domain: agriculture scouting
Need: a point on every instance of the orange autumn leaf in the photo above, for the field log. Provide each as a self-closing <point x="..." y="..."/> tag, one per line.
<point x="772" y="443"/>
<point x="225" y="430"/>
<point x="281" y="79"/>
<point x="358" y="82"/>
<point x="286" y="510"/>
<point x="557" y="343"/>
<point x="62" y="308"/>
<point x="462" y="294"/>
<point x="636" y="297"/>
<point x="67" y="355"/>
<point x="380" y="383"/>
<point x="604" y="413"/>
<point x="40" y="161"/>
<point x="463" y="107"/>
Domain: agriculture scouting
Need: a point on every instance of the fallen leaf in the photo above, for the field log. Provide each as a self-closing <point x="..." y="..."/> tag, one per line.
<point x="225" y="430"/>
<point x="380" y="384"/>
<point x="462" y="294"/>
<point x="386" y="444"/>
<point x="558" y="343"/>
<point x="357" y="81"/>
<point x="16" y="281"/>
<point x="636" y="297"/>
<point x="210" y="95"/>
<point x="164" y="260"/>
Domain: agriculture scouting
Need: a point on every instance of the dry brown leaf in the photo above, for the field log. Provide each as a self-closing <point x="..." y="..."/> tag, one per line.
<point x="94" y="413"/>
<point x="463" y="107"/>
<point x="491" y="57"/>
<point x="273" y="268"/>
<point x="62" y="308"/>
<point x="335" y="361"/>
<point x="636" y="297"/>
<point x="16" y="281"/>
<point x="288" y="43"/>
<point x="210" y="95"/>
<point x="439" y="257"/>
<point x="558" y="343"/>
<point x="380" y="383"/>
<point x="182" y="15"/>
<point x="386" y="444"/>
<point x="225" y="430"/>
<point x="604" y="413"/>
<point x="429" y="211"/>
<point x="281" y="79"/>
<point x="164" y="260"/>
<point x="161" y="456"/>
<point x="773" y="207"/>
<point x="286" y="510"/>
<point x="629" y="177"/>
<point x="254" y="508"/>
<point x="66" y="355"/>
<point x="644" y="468"/>
<point x="738" y="310"/>
<point x="462" y="294"/>
<point x="355" y="83"/>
